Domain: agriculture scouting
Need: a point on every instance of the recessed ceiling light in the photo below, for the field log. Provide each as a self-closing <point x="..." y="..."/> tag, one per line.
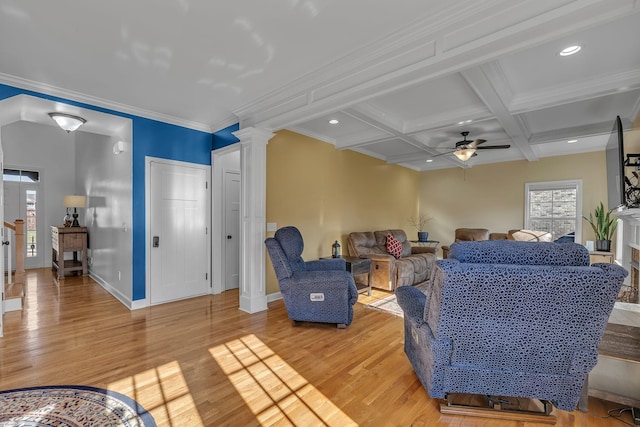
<point x="571" y="141"/>
<point x="334" y="121"/>
<point x="570" y="50"/>
<point x="429" y="160"/>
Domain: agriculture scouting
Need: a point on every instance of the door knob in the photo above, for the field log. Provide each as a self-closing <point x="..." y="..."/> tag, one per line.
<point x="5" y="242"/>
<point x="229" y="236"/>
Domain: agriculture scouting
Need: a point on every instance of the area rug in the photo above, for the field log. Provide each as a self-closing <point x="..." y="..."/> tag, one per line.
<point x="70" y="406"/>
<point x="390" y="304"/>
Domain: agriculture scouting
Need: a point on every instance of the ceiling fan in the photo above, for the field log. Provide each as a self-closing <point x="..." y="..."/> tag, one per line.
<point x="466" y="149"/>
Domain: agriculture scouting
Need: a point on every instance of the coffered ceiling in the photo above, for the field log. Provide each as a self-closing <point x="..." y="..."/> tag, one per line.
<point x="403" y="78"/>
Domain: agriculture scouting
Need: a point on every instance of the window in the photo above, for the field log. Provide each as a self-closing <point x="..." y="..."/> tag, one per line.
<point x="32" y="231"/>
<point x="554" y="206"/>
<point x="16" y="175"/>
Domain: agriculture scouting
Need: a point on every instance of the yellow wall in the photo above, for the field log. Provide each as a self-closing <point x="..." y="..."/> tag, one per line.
<point x="328" y="193"/>
<point x="492" y="196"/>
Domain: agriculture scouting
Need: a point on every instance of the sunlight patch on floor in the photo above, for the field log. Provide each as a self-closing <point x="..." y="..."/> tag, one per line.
<point x="272" y="389"/>
<point x="163" y="392"/>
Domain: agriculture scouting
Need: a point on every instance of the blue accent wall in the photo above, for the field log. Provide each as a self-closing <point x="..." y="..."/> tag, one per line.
<point x="150" y="138"/>
<point x="225" y="137"/>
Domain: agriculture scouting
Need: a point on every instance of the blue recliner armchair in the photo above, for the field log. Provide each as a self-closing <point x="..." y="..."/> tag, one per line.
<point x="508" y="318"/>
<point x="313" y="291"/>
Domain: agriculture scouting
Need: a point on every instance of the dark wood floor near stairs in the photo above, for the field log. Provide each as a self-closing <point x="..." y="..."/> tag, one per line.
<point x="202" y="362"/>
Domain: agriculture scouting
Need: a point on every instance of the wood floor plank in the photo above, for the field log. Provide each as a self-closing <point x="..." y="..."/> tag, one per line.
<point x="203" y="362"/>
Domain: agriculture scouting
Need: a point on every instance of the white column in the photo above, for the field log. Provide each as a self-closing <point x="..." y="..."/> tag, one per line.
<point x="253" y="166"/>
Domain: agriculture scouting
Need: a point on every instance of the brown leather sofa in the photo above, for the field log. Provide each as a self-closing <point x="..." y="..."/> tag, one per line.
<point x="387" y="272"/>
<point x="478" y="234"/>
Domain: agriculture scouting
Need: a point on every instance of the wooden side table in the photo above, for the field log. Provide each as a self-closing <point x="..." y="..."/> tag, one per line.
<point x="68" y="239"/>
<point x="356" y="266"/>
<point x="600" y="256"/>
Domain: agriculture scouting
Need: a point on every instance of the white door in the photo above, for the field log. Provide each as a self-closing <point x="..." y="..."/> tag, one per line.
<point x="178" y="230"/>
<point x="232" y="229"/>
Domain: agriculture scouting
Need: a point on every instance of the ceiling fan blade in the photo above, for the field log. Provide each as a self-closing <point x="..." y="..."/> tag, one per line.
<point x="490" y="147"/>
<point x="475" y="143"/>
<point x="442" y="154"/>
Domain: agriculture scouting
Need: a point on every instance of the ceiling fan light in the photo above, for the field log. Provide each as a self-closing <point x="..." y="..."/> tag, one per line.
<point x="464" y="154"/>
<point x="67" y="121"/>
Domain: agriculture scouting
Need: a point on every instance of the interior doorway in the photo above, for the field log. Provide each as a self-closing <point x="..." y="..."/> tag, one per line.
<point x="225" y="200"/>
<point x="232" y="229"/>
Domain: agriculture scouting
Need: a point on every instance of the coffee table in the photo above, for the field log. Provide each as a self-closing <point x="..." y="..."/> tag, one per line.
<point x="355" y="266"/>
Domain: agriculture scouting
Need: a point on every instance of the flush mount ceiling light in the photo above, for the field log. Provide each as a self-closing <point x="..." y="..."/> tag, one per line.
<point x="67" y="121"/>
<point x="570" y="50"/>
<point x="571" y="141"/>
<point x="464" y="154"/>
<point x="429" y="160"/>
<point x="464" y="122"/>
<point x="334" y="121"/>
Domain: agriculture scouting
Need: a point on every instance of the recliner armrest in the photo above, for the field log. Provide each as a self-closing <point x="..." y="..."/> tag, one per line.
<point x="412" y="302"/>
<point x="445" y="251"/>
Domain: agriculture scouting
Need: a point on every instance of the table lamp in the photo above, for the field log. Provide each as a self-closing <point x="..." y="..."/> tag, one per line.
<point x="75" y="202"/>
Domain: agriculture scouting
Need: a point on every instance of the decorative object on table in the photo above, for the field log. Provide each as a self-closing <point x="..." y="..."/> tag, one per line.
<point x="75" y="202"/>
<point x="67" y="122"/>
<point x="71" y="406"/>
<point x="604" y="226"/>
<point x="419" y="222"/>
<point x="67" y="219"/>
<point x="335" y="250"/>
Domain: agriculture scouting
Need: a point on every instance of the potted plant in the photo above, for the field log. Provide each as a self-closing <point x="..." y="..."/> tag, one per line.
<point x="604" y="225"/>
<point x="419" y="222"/>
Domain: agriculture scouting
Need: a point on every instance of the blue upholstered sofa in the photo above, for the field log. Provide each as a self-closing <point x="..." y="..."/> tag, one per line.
<point x="508" y="318"/>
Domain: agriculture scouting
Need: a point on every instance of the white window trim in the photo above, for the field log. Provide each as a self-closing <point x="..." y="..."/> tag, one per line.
<point x="548" y="185"/>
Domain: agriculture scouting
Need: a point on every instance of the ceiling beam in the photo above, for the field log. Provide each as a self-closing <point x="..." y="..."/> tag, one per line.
<point x="425" y="151"/>
<point x="485" y="82"/>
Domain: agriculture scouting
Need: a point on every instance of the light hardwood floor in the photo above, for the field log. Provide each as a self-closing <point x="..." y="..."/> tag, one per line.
<point x="202" y="362"/>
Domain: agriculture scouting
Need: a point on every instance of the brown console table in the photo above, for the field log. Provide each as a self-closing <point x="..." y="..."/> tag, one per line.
<point x="69" y="239"/>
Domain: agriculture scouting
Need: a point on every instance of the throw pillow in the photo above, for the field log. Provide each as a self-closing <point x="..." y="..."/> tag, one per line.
<point x="394" y="247"/>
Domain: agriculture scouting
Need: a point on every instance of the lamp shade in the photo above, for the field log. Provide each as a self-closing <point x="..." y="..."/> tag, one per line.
<point x="67" y="121"/>
<point x="464" y="154"/>
<point x="75" y="201"/>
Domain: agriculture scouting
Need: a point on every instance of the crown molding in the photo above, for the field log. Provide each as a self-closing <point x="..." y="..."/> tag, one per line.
<point x="70" y="95"/>
<point x="314" y="135"/>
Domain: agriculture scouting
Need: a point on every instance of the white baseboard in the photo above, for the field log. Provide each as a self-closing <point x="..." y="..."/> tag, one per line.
<point x="113" y="291"/>
<point x="274" y="297"/>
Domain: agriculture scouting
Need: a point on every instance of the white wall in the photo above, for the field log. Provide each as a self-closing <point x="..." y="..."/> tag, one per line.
<point x="106" y="179"/>
<point x="51" y="151"/>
